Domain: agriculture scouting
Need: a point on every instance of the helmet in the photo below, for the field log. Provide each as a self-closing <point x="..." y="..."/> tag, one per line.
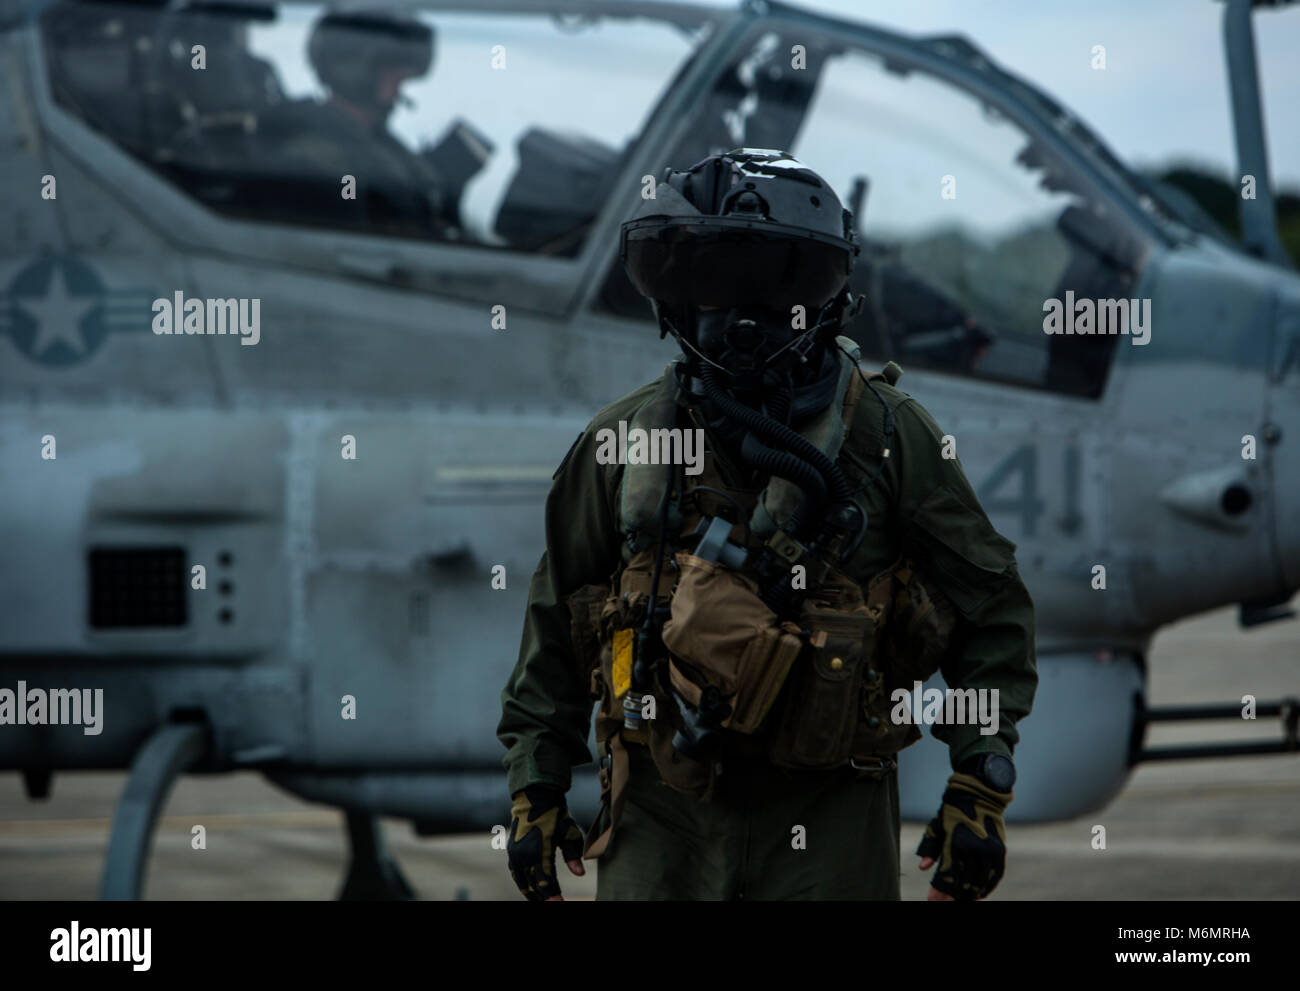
<point x="753" y="226"/>
<point x="349" y="50"/>
<point x="728" y="248"/>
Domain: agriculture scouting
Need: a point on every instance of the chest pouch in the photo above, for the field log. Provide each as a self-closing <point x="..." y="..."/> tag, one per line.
<point x="825" y="693"/>
<point x="729" y="655"/>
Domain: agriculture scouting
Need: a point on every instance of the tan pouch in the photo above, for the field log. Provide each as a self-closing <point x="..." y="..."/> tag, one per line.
<point x="722" y="634"/>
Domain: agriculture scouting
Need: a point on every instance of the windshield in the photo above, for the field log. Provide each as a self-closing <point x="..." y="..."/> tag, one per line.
<point x="480" y="128"/>
<point x="1101" y="157"/>
<point x="1172" y="224"/>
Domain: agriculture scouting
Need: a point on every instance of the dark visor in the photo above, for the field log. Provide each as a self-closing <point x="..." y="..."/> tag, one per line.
<point x="713" y="263"/>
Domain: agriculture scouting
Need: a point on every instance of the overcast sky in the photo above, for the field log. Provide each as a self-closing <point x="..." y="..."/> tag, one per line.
<point x="1164" y="92"/>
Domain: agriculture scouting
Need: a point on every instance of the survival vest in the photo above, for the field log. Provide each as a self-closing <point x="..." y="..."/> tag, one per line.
<point x="812" y="694"/>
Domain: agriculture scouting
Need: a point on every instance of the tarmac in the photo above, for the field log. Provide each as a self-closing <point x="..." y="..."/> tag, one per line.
<point x="1204" y="830"/>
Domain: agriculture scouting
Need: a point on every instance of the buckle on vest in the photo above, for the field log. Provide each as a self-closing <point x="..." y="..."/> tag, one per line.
<point x="873" y="765"/>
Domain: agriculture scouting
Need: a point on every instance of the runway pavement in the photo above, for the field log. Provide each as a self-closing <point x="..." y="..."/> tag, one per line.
<point x="1215" y="830"/>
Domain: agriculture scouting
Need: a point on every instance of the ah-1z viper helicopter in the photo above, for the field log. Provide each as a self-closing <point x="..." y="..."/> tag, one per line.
<point x="309" y="556"/>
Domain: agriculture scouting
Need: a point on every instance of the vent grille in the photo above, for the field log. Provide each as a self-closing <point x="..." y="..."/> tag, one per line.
<point x="137" y="587"/>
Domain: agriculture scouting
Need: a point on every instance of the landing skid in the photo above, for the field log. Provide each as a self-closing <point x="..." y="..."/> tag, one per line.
<point x="170" y="752"/>
<point x="1287" y="710"/>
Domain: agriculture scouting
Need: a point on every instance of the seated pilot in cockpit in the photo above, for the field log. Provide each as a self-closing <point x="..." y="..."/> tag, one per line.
<point x="231" y="137"/>
<point x="363" y="59"/>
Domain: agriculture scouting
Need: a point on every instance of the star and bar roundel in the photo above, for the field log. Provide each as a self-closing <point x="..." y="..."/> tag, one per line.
<point x="57" y="311"/>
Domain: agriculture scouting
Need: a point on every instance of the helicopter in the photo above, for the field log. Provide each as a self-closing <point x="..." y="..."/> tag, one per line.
<point x="282" y="391"/>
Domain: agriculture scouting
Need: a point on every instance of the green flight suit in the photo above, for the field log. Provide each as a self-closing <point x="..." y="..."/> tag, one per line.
<point x="744" y="843"/>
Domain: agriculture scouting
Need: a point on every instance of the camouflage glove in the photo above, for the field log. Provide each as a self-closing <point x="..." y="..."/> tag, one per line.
<point x="539" y="823"/>
<point x="967" y="839"/>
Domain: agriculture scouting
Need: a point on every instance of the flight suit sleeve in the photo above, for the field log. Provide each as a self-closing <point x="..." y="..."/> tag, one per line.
<point x="947" y="534"/>
<point x="546" y="707"/>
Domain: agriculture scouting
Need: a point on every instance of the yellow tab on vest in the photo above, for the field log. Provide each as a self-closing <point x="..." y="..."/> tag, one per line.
<point x="622" y="661"/>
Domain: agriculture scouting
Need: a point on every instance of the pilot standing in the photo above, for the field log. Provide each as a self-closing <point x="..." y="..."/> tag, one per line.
<point x="744" y="625"/>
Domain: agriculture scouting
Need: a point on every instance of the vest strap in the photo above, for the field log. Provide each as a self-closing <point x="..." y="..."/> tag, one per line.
<point x="614" y="796"/>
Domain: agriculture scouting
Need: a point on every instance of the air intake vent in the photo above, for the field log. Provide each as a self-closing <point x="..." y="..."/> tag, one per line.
<point x="137" y="587"/>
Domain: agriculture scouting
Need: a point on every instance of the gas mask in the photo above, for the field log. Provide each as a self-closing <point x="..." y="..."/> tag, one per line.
<point x="745" y="341"/>
<point x="749" y="347"/>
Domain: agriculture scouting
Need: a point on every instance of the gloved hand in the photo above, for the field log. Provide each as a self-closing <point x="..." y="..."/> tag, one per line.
<point x="539" y="824"/>
<point x="967" y="838"/>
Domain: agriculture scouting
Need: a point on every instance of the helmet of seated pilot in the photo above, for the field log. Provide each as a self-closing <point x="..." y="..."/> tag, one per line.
<point x="745" y="258"/>
<point x="352" y="50"/>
